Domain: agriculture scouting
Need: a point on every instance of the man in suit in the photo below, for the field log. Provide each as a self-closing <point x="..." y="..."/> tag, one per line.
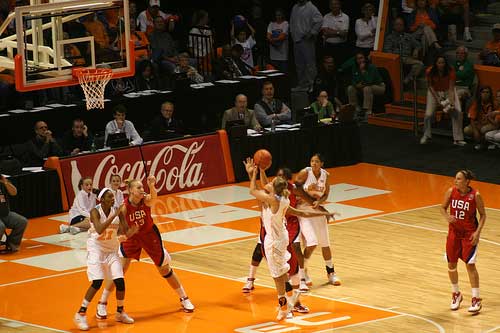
<point x="240" y="111"/>
<point x="165" y="126"/>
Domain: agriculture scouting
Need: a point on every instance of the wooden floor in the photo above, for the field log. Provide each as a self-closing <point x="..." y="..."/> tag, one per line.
<point x="388" y="250"/>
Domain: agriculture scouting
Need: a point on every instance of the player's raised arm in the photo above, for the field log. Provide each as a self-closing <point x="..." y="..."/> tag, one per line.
<point x="153" y="194"/>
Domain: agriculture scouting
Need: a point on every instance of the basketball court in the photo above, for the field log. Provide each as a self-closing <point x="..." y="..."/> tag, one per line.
<point x="388" y="250"/>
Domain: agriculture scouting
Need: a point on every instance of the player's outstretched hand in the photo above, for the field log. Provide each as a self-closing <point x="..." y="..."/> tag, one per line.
<point x="249" y="165"/>
<point x="151" y="180"/>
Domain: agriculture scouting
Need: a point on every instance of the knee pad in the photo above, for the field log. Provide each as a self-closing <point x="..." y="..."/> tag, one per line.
<point x="96" y="284"/>
<point x="169" y="274"/>
<point x="257" y="253"/>
<point x="120" y="284"/>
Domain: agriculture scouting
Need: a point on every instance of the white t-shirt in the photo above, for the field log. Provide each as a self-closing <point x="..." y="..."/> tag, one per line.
<point x="278" y="51"/>
<point x="247" y="56"/>
<point x="339" y="22"/>
<point x="107" y="241"/>
<point x="366" y="38"/>
<point x="144" y="20"/>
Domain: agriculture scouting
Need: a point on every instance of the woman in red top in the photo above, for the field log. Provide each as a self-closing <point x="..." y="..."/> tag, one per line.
<point x="441" y="79"/>
<point x="481" y="117"/>
<point x="464" y="231"/>
<point x="423" y="21"/>
<point x="136" y="210"/>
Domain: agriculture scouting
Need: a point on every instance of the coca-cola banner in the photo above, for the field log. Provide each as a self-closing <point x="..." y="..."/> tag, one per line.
<point x="177" y="165"/>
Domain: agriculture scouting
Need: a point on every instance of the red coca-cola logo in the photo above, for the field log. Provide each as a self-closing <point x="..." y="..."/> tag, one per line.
<point x="177" y="166"/>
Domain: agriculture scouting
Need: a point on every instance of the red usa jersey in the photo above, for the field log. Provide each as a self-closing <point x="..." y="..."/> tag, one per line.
<point x="463" y="208"/>
<point x="140" y="215"/>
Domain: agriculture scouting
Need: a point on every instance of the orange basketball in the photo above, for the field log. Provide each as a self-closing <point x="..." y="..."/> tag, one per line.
<point x="263" y="159"/>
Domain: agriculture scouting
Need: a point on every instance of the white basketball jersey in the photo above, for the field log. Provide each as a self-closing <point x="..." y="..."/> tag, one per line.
<point x="275" y="224"/>
<point x="107" y="241"/>
<point x="315" y="184"/>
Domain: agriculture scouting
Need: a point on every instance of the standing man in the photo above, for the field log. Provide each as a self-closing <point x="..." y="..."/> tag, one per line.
<point x="9" y="219"/>
<point x="305" y="24"/>
<point x="335" y="30"/>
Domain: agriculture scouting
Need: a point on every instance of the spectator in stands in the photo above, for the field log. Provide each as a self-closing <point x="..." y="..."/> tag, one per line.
<point x="441" y="79"/>
<point x="491" y="52"/>
<point x="452" y="12"/>
<point x="120" y="125"/>
<point x="226" y="67"/>
<point x="72" y="53"/>
<point x="165" y="126"/>
<point x="247" y="42"/>
<point x="10" y="219"/>
<point x="240" y="111"/>
<point x="481" y="119"/>
<point x="141" y="44"/>
<point x="327" y="79"/>
<point x="323" y="107"/>
<point x="404" y="44"/>
<point x="277" y="36"/>
<point x="77" y="139"/>
<point x="365" y="28"/>
<point x="183" y="68"/>
<point x="201" y="41"/>
<point x="423" y="22"/>
<point x="164" y="47"/>
<point x="407" y="8"/>
<point x="335" y="31"/>
<point x="43" y="145"/>
<point x="305" y="25"/>
<point x="145" y="20"/>
<point x="146" y="78"/>
<point x="269" y="109"/>
<point x="366" y="81"/>
<point x="102" y="41"/>
<point x="493" y="137"/>
<point x="465" y="74"/>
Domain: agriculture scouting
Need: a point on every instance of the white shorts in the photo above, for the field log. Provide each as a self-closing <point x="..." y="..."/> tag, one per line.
<point x="277" y="256"/>
<point x="103" y="265"/>
<point x="315" y="231"/>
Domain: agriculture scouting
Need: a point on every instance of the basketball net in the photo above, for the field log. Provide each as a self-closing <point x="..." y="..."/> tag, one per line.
<point x="93" y="81"/>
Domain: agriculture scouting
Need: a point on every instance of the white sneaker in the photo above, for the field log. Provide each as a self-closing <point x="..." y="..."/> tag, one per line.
<point x="123" y="318"/>
<point x="467" y="36"/>
<point x="424" y="140"/>
<point x="456" y="299"/>
<point x="63" y="228"/>
<point x="492" y="147"/>
<point x="334" y="279"/>
<point x="459" y="143"/>
<point x="81" y="321"/>
<point x="102" y="312"/>
<point x="478" y="147"/>
<point x="186" y="304"/>
<point x="74" y="230"/>
<point x="475" y="306"/>
<point x="248" y="286"/>
<point x="308" y="280"/>
<point x="303" y="288"/>
<point x="285" y="313"/>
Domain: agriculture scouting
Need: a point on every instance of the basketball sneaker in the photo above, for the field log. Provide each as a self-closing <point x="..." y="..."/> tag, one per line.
<point x="122" y="317"/>
<point x="308" y="280"/>
<point x="456" y="299"/>
<point x="63" y="228"/>
<point x="333" y="279"/>
<point x="303" y="286"/>
<point x="475" y="306"/>
<point x="248" y="285"/>
<point x="285" y="312"/>
<point x="102" y="312"/>
<point x="80" y="321"/>
<point x="74" y="230"/>
<point x="186" y="304"/>
<point x="300" y="308"/>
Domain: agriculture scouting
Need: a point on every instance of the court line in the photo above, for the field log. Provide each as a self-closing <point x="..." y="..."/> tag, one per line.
<point x="492" y="329"/>
<point x="34" y="325"/>
<point x="426" y="228"/>
<point x="358" y="324"/>
<point x="42" y="278"/>
<point x="214" y="245"/>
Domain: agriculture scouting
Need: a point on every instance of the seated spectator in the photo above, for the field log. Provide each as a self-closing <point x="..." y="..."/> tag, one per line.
<point x="165" y="126"/>
<point x="102" y="41"/>
<point x="145" y="78"/>
<point x="270" y="109"/>
<point x="366" y="81"/>
<point x="365" y="28"/>
<point x="335" y="31"/>
<point x="404" y="44"/>
<point x="407" y="8"/>
<point x="493" y="137"/>
<point x="237" y="54"/>
<point x="491" y="52"/>
<point x="141" y="44"/>
<point x="481" y="119"/>
<point x="226" y="67"/>
<point x="163" y="46"/>
<point x="247" y="42"/>
<point x="72" y="53"/>
<point x="79" y="213"/>
<point x="240" y="111"/>
<point x="327" y="79"/>
<point x="441" y="79"/>
<point x="455" y="12"/>
<point x="9" y="219"/>
<point x="423" y="22"/>
<point x="77" y="139"/>
<point x="277" y="36"/>
<point x="323" y="107"/>
<point x="183" y="68"/>
<point x="43" y="145"/>
<point x="145" y="19"/>
<point x="120" y="125"/>
<point x="465" y="74"/>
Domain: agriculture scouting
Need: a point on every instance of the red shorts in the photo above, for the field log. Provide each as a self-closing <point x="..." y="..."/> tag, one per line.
<point x="459" y="246"/>
<point x="151" y="242"/>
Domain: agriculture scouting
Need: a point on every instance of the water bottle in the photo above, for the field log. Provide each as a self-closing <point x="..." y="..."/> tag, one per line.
<point x="273" y="124"/>
<point x="93" y="147"/>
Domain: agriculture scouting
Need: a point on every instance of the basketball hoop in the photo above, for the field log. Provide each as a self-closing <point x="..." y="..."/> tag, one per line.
<point x="93" y="82"/>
